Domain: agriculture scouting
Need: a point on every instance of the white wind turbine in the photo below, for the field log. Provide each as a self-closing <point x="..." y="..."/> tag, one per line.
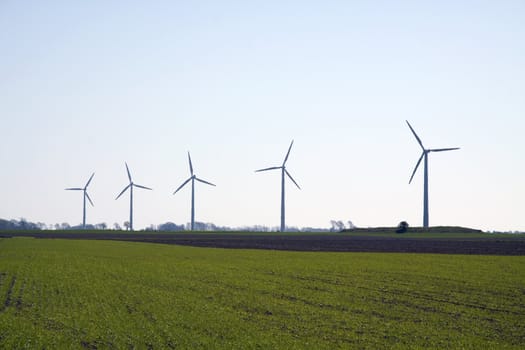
<point x="283" y="172"/>
<point x="130" y="186"/>
<point x="192" y="178"/>
<point x="86" y="195"/>
<point x="424" y="155"/>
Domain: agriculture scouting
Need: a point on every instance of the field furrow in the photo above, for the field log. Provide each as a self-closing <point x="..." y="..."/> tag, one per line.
<point x="104" y="295"/>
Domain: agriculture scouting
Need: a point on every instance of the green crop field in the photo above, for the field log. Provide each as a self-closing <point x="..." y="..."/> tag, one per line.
<point x="105" y="294"/>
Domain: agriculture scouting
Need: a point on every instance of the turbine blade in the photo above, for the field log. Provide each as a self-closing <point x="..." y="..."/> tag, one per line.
<point x="443" y="149"/>
<point x="89" y="181"/>
<point x="291" y="178"/>
<point x="74" y="189"/>
<point x="272" y="168"/>
<point x="124" y="190"/>
<point x="288" y="153"/>
<point x="204" y="182"/>
<point x="191" y="166"/>
<point x="415" y="169"/>
<point x="417" y="137"/>
<point x="89" y="199"/>
<point x="144" y="187"/>
<point x="181" y="186"/>
<point x="129" y="174"/>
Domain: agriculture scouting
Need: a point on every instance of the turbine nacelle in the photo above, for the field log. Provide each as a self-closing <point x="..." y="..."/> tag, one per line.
<point x="282" y="167"/>
<point x="83" y="189"/>
<point x="130" y="187"/>
<point x="131" y="184"/>
<point x="424" y="155"/>
<point x="192" y="178"/>
<point x="425" y="151"/>
<point x="86" y="195"/>
<point x="283" y="172"/>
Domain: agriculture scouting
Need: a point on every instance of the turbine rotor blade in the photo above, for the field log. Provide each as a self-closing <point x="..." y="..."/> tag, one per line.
<point x="417" y="137"/>
<point x="191" y="166"/>
<point x="291" y="178"/>
<point x="89" y="199"/>
<point x="129" y="174"/>
<point x="204" y="182"/>
<point x="181" y="186"/>
<point x="74" y="189"/>
<point x="124" y="190"/>
<point x="443" y="149"/>
<point x="288" y="153"/>
<point x="417" y="165"/>
<point x="272" y="168"/>
<point x="144" y="187"/>
<point x="89" y="181"/>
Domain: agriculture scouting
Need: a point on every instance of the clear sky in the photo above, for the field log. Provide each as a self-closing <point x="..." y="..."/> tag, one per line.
<point x="86" y="86"/>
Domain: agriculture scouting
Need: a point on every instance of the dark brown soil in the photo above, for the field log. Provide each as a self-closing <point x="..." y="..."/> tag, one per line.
<point x="310" y="242"/>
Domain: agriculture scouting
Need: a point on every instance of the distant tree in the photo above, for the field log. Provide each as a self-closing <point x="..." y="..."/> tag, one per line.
<point x="65" y="226"/>
<point x="337" y="225"/>
<point x="200" y="226"/>
<point x="4" y="224"/>
<point x="402" y="227"/>
<point x="170" y="226"/>
<point x="23" y="224"/>
<point x="101" y="226"/>
<point x="7" y="225"/>
<point x="127" y="225"/>
<point x="41" y="226"/>
<point x="351" y="225"/>
<point x="116" y="226"/>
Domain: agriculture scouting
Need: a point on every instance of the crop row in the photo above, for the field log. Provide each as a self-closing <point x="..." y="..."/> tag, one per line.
<point x="97" y="294"/>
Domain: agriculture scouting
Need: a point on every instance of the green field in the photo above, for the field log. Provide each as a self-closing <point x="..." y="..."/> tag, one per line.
<point x="103" y="294"/>
<point x="413" y="232"/>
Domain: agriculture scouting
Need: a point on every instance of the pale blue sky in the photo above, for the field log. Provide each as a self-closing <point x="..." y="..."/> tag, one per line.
<point x="86" y="86"/>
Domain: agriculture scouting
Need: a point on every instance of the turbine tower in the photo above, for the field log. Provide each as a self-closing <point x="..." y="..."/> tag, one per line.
<point x="130" y="186"/>
<point x="283" y="172"/>
<point x="192" y="178"/>
<point x="86" y="195"/>
<point x="424" y="155"/>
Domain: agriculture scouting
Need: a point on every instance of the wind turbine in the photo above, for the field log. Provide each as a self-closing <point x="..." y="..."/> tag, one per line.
<point x="86" y="195"/>
<point x="283" y="171"/>
<point x="192" y="178"/>
<point x="425" y="185"/>
<point x="130" y="186"/>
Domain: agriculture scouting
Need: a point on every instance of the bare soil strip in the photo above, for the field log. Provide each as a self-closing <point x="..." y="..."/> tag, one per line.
<point x="328" y="243"/>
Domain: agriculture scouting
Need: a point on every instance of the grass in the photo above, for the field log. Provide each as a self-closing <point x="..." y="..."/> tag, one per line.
<point x="104" y="294"/>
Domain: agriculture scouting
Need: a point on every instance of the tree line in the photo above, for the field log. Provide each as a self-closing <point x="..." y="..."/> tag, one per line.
<point x="24" y="224"/>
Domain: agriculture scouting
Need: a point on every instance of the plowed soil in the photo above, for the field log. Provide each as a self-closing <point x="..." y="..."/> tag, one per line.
<point x="309" y="242"/>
